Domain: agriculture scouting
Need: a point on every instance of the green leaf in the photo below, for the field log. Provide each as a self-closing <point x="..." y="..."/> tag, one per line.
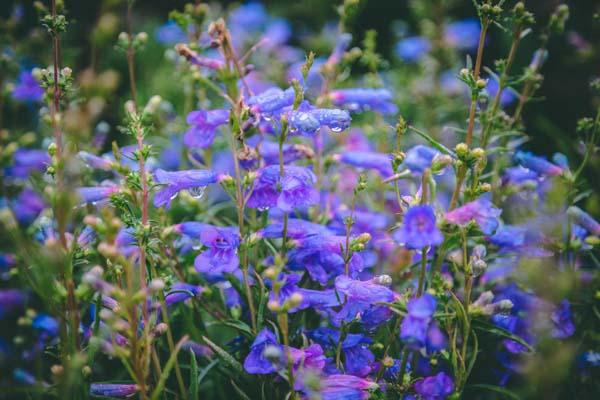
<point x="224" y="355"/>
<point x="496" y="330"/>
<point x="167" y="370"/>
<point x="432" y="141"/>
<point x="193" y="376"/>
<point x="240" y="326"/>
<point x="239" y="391"/>
<point x="498" y="389"/>
<point x="206" y="370"/>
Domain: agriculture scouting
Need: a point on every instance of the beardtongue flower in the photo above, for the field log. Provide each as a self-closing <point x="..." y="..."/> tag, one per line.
<point x="562" y="319"/>
<point x="257" y="362"/>
<point x="419" y="229"/>
<point x="181" y="292"/>
<point x="11" y="300"/>
<point x="27" y="206"/>
<point x="311" y="357"/>
<point x="413" y="49"/>
<point x="193" y="180"/>
<point x="26" y="161"/>
<point x="308" y="122"/>
<point x="463" y="34"/>
<point x="362" y="298"/>
<point x="358" y="359"/>
<point x="118" y="390"/>
<point x="269" y="151"/>
<point x="345" y="387"/>
<point x="584" y="220"/>
<point x="271" y="101"/>
<point x="437" y="387"/>
<point x="95" y="194"/>
<point x="380" y="100"/>
<point x="296" y="229"/>
<point x="379" y="162"/>
<point x="419" y="158"/>
<point x="293" y="190"/>
<point x="94" y="161"/>
<point x="221" y="254"/>
<point x="341" y="44"/>
<point x="204" y="124"/>
<point x="418" y="329"/>
<point x="198" y="349"/>
<point x="482" y="211"/>
<point x="537" y="164"/>
<point x="27" y="88"/>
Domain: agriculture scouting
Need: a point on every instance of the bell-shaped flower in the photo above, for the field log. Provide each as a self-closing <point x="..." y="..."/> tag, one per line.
<point x="193" y="180"/>
<point x="204" y="124"/>
<point x="419" y="229"/>
<point x="358" y="99"/>
<point x="437" y="387"/>
<point x="482" y="211"/>
<point x="221" y="254"/>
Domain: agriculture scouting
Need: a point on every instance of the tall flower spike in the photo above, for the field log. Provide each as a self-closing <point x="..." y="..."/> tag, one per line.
<point x="194" y="180"/>
<point x="419" y="228"/>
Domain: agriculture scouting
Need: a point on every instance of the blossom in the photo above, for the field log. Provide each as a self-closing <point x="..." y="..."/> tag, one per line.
<point x="256" y="362"/>
<point x="311" y="357"/>
<point x="463" y="34"/>
<point x="506" y="98"/>
<point x="418" y="329"/>
<point x="585" y="220"/>
<point x="170" y="33"/>
<point x="345" y="387"/>
<point x="380" y="100"/>
<point x="119" y="390"/>
<point x="437" y="387"/>
<point x="27" y="88"/>
<point x="362" y="298"/>
<point x="204" y="123"/>
<point x="10" y="300"/>
<point x="198" y="349"/>
<point x="419" y="158"/>
<point x="537" y="164"/>
<point x="181" y="292"/>
<point x="481" y="211"/>
<point x="95" y="194"/>
<point x="27" y="206"/>
<point x="308" y="121"/>
<point x="271" y="101"/>
<point x="293" y="190"/>
<point x="358" y="359"/>
<point x="26" y="161"/>
<point x="562" y="319"/>
<point x="174" y="182"/>
<point x="296" y="229"/>
<point x="413" y="49"/>
<point x="93" y="161"/>
<point x="269" y="151"/>
<point x="221" y="253"/>
<point x="341" y="44"/>
<point x="46" y="325"/>
<point x="379" y="162"/>
<point x="419" y="229"/>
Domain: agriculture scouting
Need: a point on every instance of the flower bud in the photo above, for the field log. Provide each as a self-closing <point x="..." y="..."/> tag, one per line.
<point x="161" y="329"/>
<point x="462" y="149"/>
<point x="274" y="305"/>
<point x="478" y="152"/>
<point x="481" y="83"/>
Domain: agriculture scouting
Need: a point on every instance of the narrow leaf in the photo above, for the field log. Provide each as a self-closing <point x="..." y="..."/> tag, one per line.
<point x="167" y="370"/>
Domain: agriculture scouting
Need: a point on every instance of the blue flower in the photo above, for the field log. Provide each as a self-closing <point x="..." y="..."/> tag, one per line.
<point x="26" y="161"/>
<point x="380" y="100"/>
<point x="27" y="88"/>
<point x="362" y="298"/>
<point x="379" y="162"/>
<point x="181" y="292"/>
<point x="563" y="322"/>
<point x="413" y="49"/>
<point x="358" y="359"/>
<point x="418" y="329"/>
<point x="537" y="164"/>
<point x="271" y="101"/>
<point x="437" y="387"/>
<point x="481" y="211"/>
<point x="95" y="194"/>
<point x="308" y="121"/>
<point x="27" y="206"/>
<point x="341" y="44"/>
<point x="118" y="390"/>
<point x="463" y="34"/>
<point x="47" y="325"/>
<point x="419" y="158"/>
<point x="345" y="387"/>
<point x="11" y="300"/>
<point x="203" y="126"/>
<point x="293" y="190"/>
<point x="221" y="253"/>
<point x="419" y="229"/>
<point x="170" y="33"/>
<point x="194" y="180"/>
<point x="296" y="229"/>
<point x="256" y="362"/>
<point x="584" y="220"/>
<point x="506" y="98"/>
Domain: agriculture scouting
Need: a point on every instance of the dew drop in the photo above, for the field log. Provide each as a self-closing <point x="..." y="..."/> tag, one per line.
<point x="197" y="192"/>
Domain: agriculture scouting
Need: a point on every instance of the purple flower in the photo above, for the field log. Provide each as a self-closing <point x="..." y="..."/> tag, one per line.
<point x="170" y="33"/>
<point x="256" y="362"/>
<point x="379" y="162"/>
<point x="419" y="158"/>
<point x="11" y="300"/>
<point x="463" y="34"/>
<point x="563" y="322"/>
<point x="380" y="100"/>
<point x="293" y="190"/>
<point x="47" y="325"/>
<point x="95" y="194"/>
<point x="584" y="220"/>
<point x="418" y="329"/>
<point x="413" y="49"/>
<point x="308" y="122"/>
<point x="341" y="44"/>
<point x="296" y="229"/>
<point x="358" y="359"/>
<point x="94" y="161"/>
<point x="27" y="88"/>
<point x="419" y="229"/>
<point x="193" y="180"/>
<point x="271" y="101"/>
<point x="198" y="349"/>
<point x="345" y="387"/>
<point x="362" y="298"/>
<point x="437" y="387"/>
<point x="311" y="357"/>
<point x="27" y="206"/>
<point x="221" y="253"/>
<point x="269" y="151"/>
<point x="181" y="292"/>
<point x="203" y="126"/>
<point x="506" y="98"/>
<point x="322" y="257"/>
<point x="537" y="164"/>
<point x="26" y="161"/>
<point x="119" y="390"/>
<point x="481" y="211"/>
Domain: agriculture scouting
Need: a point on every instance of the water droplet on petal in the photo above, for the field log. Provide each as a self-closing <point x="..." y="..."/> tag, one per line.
<point x="197" y="192"/>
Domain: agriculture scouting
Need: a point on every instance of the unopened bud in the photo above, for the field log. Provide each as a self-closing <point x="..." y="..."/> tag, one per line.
<point x="481" y="83"/>
<point x="161" y="329"/>
<point x="461" y="149"/>
<point x="57" y="369"/>
<point x="295" y="299"/>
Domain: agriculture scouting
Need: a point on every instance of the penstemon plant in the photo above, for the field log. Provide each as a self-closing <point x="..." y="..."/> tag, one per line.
<point x="277" y="221"/>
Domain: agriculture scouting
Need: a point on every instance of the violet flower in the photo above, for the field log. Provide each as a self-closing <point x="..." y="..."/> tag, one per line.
<point x="341" y="44"/>
<point x="380" y="100"/>
<point x="463" y="34"/>
<point x="95" y="194"/>
<point x="27" y="88"/>
<point x="563" y="322"/>
<point x="358" y="359"/>
<point x="221" y="254"/>
<point x="26" y="161"/>
<point x="419" y="158"/>
<point x="271" y="101"/>
<point x="437" y="387"/>
<point x="537" y="164"/>
<point x="181" y="292"/>
<point x="584" y="220"/>
<point x="347" y="387"/>
<point x="362" y="298"/>
<point x="380" y="162"/>
<point x="419" y="229"/>
<point x="193" y="180"/>
<point x="418" y="329"/>
<point x="482" y="211"/>
<point x="269" y="151"/>
<point x="27" y="206"/>
<point x="11" y="300"/>
<point x="118" y="390"/>
<point x="256" y="362"/>
<point x="296" y="229"/>
<point x="308" y="122"/>
<point x="293" y="190"/>
<point x="198" y="349"/>
<point x="204" y="124"/>
<point x="170" y="33"/>
<point x="413" y="49"/>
